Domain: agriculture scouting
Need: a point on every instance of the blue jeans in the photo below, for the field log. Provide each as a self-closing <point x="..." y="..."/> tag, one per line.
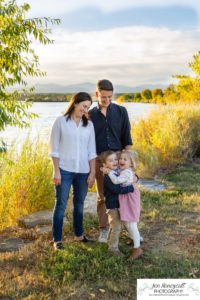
<point x="80" y="187"/>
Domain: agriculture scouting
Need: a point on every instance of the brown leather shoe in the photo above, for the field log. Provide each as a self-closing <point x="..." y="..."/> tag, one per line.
<point x="136" y="253"/>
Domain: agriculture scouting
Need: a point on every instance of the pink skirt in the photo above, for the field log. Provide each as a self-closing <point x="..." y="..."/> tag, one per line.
<point x="130" y="206"/>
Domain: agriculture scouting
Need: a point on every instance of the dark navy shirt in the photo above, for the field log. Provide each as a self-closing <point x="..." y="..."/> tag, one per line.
<point x="112" y="131"/>
<point x="112" y="191"/>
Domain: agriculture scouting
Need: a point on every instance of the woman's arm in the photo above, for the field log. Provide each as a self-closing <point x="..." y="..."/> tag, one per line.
<point x="56" y="171"/>
<point x="54" y="144"/>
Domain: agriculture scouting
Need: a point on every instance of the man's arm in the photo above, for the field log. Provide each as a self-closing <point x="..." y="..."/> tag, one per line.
<point x="117" y="188"/>
<point x="91" y="156"/>
<point x="126" y="131"/>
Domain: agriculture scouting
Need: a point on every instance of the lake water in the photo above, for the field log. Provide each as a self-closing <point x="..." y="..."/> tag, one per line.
<point x="49" y="111"/>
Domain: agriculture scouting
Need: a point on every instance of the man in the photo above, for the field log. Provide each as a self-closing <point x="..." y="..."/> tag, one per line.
<point x="112" y="132"/>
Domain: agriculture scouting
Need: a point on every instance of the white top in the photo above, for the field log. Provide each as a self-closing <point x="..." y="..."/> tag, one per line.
<point x="126" y="176"/>
<point x="73" y="144"/>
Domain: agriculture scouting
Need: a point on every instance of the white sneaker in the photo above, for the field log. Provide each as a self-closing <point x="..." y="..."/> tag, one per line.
<point x="103" y="237"/>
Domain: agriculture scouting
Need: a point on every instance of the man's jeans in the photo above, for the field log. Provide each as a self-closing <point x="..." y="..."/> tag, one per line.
<point x="80" y="187"/>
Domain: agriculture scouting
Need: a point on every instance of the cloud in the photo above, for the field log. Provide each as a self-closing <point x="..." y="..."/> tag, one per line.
<point x="131" y="55"/>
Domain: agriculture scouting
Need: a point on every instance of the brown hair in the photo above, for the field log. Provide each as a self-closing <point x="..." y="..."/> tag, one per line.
<point x="78" y="98"/>
<point x="104" y="85"/>
<point x="104" y="155"/>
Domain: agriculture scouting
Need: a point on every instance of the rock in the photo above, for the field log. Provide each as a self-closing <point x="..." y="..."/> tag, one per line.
<point x="43" y="217"/>
<point x="90" y="204"/>
<point x="44" y="229"/>
<point x="151" y="185"/>
<point x="8" y="244"/>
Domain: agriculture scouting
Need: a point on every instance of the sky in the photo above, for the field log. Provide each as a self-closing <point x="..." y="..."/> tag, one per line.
<point x="130" y="42"/>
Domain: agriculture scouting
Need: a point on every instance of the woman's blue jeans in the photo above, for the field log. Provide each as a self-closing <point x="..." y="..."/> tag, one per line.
<point x="80" y="187"/>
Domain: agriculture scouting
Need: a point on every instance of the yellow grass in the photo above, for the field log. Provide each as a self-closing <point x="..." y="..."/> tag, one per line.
<point x="168" y="137"/>
<point x="25" y="182"/>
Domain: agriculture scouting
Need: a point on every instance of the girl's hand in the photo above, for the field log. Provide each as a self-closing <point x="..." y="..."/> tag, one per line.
<point x="91" y="180"/>
<point x="57" y="177"/>
<point x="105" y="170"/>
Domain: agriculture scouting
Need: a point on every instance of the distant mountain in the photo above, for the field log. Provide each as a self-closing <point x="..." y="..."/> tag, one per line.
<point x="73" y="88"/>
<point x="90" y="88"/>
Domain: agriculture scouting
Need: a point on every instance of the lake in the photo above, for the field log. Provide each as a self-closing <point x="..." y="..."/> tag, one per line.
<point x="49" y="111"/>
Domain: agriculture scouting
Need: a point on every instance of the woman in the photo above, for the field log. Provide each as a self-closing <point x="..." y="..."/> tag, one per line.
<point x="73" y="152"/>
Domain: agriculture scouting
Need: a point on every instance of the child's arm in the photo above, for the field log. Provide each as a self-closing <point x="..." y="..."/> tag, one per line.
<point x="117" y="188"/>
<point x="122" y="178"/>
<point x="135" y="178"/>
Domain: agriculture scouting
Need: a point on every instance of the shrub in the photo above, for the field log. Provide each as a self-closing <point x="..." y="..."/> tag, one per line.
<point x="170" y="136"/>
<point x="137" y="97"/>
<point x="25" y="182"/>
<point x="146" y="95"/>
<point x="157" y="93"/>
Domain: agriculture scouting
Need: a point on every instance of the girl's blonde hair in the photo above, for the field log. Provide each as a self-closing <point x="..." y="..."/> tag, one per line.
<point x="132" y="155"/>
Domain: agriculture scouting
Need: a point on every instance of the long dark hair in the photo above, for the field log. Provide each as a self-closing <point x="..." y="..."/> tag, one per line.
<point x="77" y="98"/>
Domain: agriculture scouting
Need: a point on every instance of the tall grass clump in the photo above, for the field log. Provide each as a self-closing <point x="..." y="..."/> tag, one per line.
<point x="25" y="182"/>
<point x="168" y="137"/>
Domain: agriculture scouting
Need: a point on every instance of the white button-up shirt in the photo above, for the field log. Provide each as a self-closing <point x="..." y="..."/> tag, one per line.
<point x="73" y="144"/>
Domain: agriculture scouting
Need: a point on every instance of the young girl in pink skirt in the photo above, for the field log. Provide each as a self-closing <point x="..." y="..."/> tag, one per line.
<point x="129" y="203"/>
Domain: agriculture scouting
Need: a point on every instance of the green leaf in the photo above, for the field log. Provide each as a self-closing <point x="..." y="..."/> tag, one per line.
<point x="18" y="59"/>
